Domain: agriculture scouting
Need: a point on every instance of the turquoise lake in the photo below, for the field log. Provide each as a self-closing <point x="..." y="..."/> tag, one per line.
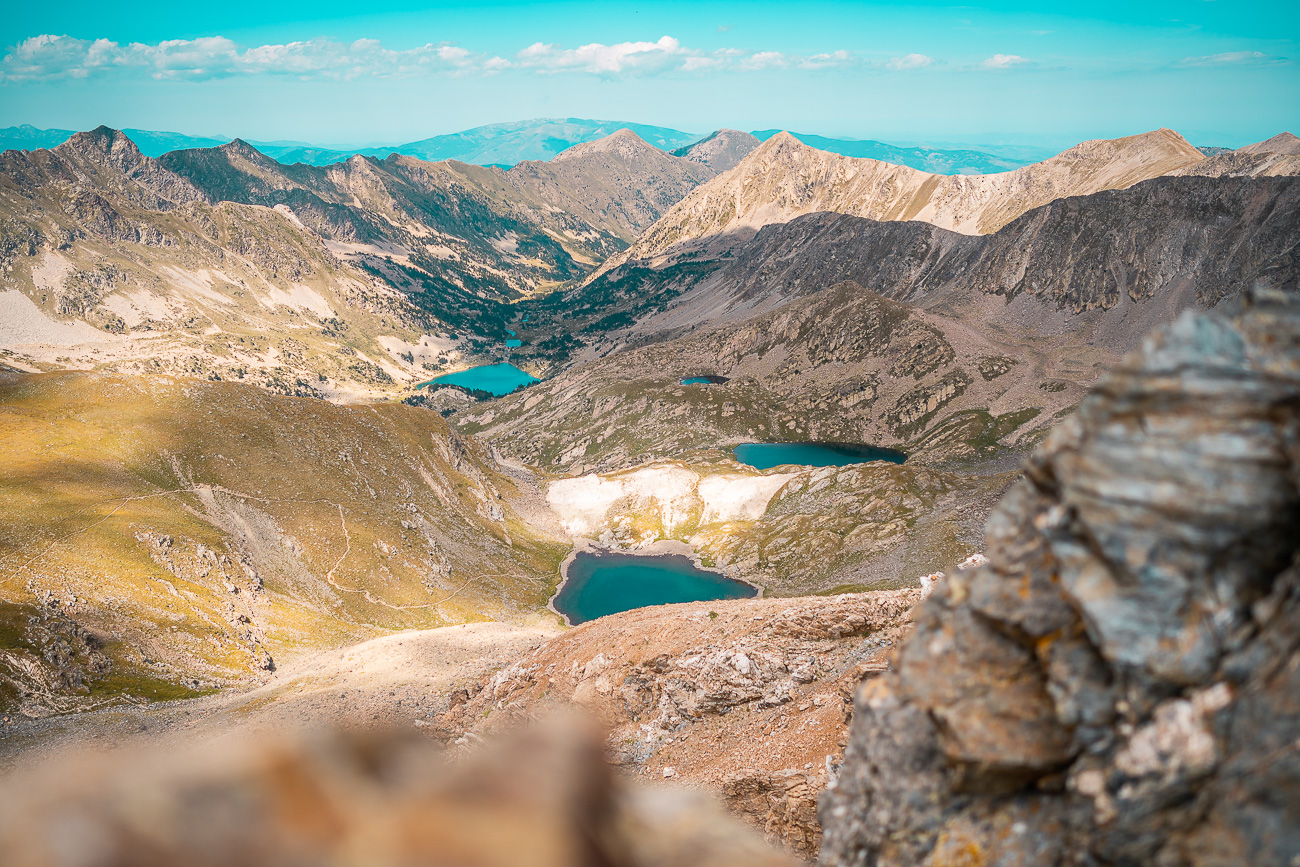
<point x="495" y="379"/>
<point x="764" y="456"/>
<point x="598" y="584"/>
<point x="704" y="380"/>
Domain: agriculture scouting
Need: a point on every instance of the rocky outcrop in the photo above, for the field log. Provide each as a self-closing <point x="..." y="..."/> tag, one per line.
<point x="1118" y="684"/>
<point x="744" y="698"/>
<point x="546" y="798"/>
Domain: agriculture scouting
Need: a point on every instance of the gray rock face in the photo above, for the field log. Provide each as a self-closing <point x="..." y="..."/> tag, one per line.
<point x="1121" y="683"/>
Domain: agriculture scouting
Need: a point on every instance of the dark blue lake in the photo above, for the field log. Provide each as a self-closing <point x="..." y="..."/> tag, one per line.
<point x="495" y="379"/>
<point x="764" y="456"/>
<point x="607" y="583"/>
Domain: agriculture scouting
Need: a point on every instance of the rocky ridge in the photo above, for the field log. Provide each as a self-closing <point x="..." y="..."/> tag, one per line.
<point x="784" y="178"/>
<point x="1118" y="684"/>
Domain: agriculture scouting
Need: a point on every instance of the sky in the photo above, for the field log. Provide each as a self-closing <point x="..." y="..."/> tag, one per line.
<point x="346" y="74"/>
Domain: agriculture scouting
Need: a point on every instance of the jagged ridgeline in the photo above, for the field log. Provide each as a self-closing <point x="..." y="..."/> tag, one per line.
<point x="353" y="278"/>
<point x="167" y="536"/>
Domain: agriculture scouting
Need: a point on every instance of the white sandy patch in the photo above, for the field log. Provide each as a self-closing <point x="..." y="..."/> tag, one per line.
<point x="23" y="323"/>
<point x="198" y="282"/>
<point x="507" y="243"/>
<point x="383" y="249"/>
<point x="300" y="297"/>
<point x="49" y="270"/>
<point x="441" y="251"/>
<point x="738" y="498"/>
<point x="585" y="504"/>
<point x="135" y="307"/>
<point x="287" y="213"/>
<point x="427" y="349"/>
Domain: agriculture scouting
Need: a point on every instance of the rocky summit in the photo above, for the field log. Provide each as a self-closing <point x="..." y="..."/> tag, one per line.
<point x="1118" y="684"/>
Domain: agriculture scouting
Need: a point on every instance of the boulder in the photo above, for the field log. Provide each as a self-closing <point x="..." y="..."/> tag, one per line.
<point x="1120" y="683"/>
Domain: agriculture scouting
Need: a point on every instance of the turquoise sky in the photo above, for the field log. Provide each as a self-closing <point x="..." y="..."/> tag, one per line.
<point x="1221" y="72"/>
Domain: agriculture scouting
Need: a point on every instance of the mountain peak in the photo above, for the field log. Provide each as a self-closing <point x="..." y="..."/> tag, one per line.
<point x="623" y="142"/>
<point x="239" y="147"/>
<point x="720" y="150"/>
<point x="103" y="140"/>
<point x="1282" y="143"/>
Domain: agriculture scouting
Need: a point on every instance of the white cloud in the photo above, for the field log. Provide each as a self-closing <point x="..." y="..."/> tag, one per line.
<point x="1234" y="58"/>
<point x="606" y="60"/>
<point x="765" y="60"/>
<point x="909" y="61"/>
<point x="53" y="57"/>
<point x="830" y="60"/>
<point x="49" y="57"/>
<point x="1004" y="61"/>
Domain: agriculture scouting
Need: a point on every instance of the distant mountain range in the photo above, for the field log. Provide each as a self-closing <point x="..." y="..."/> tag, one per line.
<point x="508" y="144"/>
<point x="933" y="160"/>
<point x="500" y="144"/>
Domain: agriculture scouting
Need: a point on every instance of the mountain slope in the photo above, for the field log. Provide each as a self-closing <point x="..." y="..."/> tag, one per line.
<point x="784" y="179"/>
<point x="165" y="535"/>
<point x="720" y="151"/>
<point x="1155" y="247"/>
<point x="619" y="184"/>
<point x="1282" y="143"/>
<point x="114" y="261"/>
<point x="352" y="278"/>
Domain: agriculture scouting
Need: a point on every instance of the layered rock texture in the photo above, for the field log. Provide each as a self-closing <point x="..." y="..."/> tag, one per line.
<point x="1119" y="683"/>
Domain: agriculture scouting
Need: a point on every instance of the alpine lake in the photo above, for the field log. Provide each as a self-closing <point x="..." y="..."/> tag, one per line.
<point x="601" y="583"/>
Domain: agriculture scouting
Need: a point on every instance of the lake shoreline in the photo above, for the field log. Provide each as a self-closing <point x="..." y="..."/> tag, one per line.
<point x="658" y="548"/>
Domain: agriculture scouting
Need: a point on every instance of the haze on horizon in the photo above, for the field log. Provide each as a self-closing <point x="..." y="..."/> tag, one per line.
<point x="1219" y="73"/>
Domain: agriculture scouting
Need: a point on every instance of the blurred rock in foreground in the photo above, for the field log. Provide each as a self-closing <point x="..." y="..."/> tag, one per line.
<point x="1121" y="683"/>
<point x="544" y="798"/>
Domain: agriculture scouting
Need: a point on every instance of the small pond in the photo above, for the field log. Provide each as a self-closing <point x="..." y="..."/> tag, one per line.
<point x="764" y="456"/>
<point x="495" y="379"/>
<point x="603" y="583"/>
<point x="514" y="343"/>
<point x="705" y="380"/>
